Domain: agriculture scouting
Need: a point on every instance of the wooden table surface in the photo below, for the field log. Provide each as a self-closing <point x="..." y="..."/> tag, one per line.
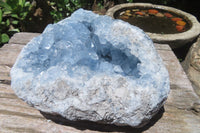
<point x="181" y="113"/>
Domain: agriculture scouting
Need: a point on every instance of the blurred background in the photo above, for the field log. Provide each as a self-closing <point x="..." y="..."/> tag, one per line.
<point x="35" y="15"/>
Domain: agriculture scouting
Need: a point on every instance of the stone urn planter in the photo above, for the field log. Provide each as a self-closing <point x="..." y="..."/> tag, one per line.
<point x="187" y="26"/>
<point x="191" y="65"/>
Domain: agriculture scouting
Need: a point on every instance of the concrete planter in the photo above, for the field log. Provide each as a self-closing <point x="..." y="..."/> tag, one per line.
<point x="191" y="65"/>
<point x="174" y="40"/>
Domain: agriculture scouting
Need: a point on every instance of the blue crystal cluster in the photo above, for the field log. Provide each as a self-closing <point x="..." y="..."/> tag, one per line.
<point x="79" y="45"/>
<point x="60" y="69"/>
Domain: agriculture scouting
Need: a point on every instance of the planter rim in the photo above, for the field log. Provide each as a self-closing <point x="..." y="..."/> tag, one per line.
<point x="189" y="35"/>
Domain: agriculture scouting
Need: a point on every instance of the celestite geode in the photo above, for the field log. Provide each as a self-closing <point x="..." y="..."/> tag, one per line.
<point x="91" y="67"/>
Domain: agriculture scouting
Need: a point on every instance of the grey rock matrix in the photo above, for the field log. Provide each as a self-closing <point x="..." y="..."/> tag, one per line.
<point x="91" y="67"/>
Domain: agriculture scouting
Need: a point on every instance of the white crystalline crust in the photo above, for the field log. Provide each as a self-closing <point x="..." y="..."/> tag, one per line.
<point x="91" y="67"/>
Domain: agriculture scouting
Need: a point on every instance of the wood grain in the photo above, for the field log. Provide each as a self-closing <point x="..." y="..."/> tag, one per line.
<point x="178" y="115"/>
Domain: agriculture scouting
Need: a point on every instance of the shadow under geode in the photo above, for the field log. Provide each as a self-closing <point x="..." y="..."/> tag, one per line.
<point x="84" y="125"/>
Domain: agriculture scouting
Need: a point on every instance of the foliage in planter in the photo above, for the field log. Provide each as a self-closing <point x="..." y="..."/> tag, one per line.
<point x="12" y="15"/>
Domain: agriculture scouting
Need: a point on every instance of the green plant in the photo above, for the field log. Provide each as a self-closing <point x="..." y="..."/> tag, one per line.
<point x="63" y="8"/>
<point x="12" y="15"/>
<point x="3" y="36"/>
<point x="130" y="1"/>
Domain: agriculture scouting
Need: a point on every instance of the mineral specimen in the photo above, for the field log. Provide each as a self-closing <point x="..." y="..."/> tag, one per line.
<point x="91" y="67"/>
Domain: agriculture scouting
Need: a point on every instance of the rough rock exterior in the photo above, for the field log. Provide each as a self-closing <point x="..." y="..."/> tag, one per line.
<point x="91" y="67"/>
<point x="191" y="65"/>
